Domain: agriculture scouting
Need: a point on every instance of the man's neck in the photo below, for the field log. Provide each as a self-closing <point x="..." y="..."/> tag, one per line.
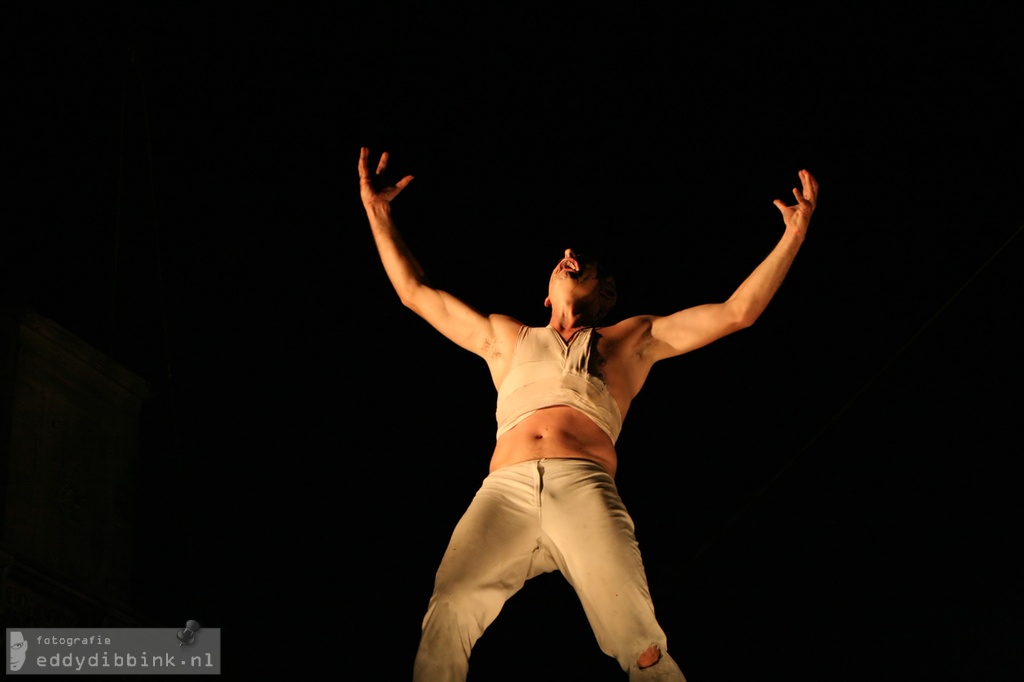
<point x="567" y="322"/>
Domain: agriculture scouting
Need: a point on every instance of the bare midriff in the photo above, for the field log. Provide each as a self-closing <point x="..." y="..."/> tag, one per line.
<point x="558" y="432"/>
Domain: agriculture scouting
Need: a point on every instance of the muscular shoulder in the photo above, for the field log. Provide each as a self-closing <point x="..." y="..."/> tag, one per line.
<point x="626" y="355"/>
<point x="629" y="340"/>
<point x="499" y="345"/>
<point x="501" y="341"/>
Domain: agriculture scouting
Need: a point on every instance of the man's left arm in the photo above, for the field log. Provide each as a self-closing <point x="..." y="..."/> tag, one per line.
<point x="694" y="327"/>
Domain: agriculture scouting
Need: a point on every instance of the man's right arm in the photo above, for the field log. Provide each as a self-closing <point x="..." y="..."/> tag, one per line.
<point x="452" y="317"/>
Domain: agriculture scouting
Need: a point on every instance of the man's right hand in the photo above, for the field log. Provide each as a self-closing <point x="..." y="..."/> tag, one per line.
<point x="370" y="189"/>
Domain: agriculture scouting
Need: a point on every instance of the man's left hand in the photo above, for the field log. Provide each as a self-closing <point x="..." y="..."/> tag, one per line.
<point x="798" y="217"/>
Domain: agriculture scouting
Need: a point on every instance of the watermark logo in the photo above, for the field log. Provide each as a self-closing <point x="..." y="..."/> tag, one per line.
<point x="188" y="635"/>
<point x="115" y="651"/>
<point x="19" y="650"/>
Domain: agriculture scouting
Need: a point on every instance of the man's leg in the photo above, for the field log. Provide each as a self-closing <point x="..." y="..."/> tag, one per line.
<point x="592" y="539"/>
<point x="489" y="557"/>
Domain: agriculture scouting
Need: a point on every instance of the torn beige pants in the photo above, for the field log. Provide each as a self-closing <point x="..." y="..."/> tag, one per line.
<point x="531" y="518"/>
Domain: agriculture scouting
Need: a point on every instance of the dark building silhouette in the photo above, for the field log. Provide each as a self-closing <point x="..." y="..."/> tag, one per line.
<point x="70" y="420"/>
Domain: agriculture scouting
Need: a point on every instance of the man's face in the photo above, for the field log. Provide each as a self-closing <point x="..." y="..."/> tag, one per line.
<point x="581" y="274"/>
<point x="19" y="650"/>
<point x="569" y="264"/>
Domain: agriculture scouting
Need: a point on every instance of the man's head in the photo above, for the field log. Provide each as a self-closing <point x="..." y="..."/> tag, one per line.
<point x="581" y="280"/>
<point x="19" y="649"/>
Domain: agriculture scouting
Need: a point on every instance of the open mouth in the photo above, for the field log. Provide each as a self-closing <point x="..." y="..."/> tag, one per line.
<point x="570" y="265"/>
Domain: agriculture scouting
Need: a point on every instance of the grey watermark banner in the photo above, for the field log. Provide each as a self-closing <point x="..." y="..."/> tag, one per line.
<point x="192" y="650"/>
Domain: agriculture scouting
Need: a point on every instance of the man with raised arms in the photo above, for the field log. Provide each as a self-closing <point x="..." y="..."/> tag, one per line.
<point x="549" y="501"/>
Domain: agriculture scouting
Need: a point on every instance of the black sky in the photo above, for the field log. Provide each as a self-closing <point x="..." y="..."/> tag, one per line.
<point x="828" y="495"/>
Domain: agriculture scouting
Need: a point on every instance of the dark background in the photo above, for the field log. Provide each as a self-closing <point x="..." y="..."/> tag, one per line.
<point x="832" y="494"/>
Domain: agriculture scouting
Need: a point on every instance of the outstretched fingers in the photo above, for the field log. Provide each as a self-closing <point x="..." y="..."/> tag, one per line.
<point x="363" y="154"/>
<point x="810" y="187"/>
<point x="797" y="215"/>
<point x="364" y="169"/>
<point x="807" y="195"/>
<point x="400" y="185"/>
<point x="371" y="190"/>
